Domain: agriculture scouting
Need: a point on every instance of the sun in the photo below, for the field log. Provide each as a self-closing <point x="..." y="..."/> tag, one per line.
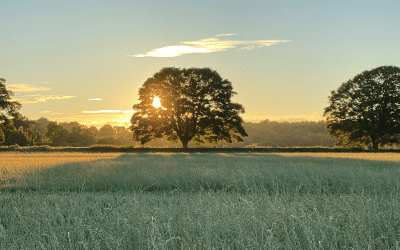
<point x="156" y="102"/>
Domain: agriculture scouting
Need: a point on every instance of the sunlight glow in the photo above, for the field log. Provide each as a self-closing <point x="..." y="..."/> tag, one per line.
<point x="156" y="102"/>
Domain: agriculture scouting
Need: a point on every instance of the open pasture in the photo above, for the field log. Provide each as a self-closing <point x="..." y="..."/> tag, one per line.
<point x="199" y="201"/>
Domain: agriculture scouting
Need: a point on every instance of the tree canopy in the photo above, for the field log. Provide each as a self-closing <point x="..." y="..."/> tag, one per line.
<point x="8" y="108"/>
<point x="195" y="106"/>
<point x="366" y="109"/>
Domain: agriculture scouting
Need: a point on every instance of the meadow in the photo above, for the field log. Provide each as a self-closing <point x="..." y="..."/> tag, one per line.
<point x="199" y="201"/>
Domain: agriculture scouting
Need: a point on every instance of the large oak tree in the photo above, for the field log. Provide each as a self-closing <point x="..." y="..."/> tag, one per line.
<point x="366" y="109"/>
<point x="195" y="106"/>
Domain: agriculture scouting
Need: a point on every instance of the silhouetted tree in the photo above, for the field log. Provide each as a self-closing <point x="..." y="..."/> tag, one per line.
<point x="8" y="108"/>
<point x="196" y="105"/>
<point x="366" y="109"/>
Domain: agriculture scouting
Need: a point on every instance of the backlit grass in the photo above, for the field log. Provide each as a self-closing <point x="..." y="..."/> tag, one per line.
<point x="200" y="201"/>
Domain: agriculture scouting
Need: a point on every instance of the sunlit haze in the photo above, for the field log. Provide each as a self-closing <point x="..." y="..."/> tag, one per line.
<point x="86" y="60"/>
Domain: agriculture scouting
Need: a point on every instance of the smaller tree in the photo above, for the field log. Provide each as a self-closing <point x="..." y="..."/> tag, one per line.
<point x="366" y="109"/>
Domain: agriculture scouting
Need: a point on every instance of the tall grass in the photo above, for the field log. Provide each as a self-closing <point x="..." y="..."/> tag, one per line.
<point x="203" y="201"/>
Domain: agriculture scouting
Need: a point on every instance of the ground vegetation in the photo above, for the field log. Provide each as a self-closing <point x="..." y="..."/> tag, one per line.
<point x="199" y="201"/>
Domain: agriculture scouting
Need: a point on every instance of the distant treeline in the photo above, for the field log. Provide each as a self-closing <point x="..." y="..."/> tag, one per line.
<point x="284" y="134"/>
<point x="25" y="132"/>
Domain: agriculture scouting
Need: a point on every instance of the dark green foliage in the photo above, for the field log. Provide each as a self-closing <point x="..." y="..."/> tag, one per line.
<point x="196" y="106"/>
<point x="365" y="110"/>
<point x="19" y="137"/>
<point x="23" y="121"/>
<point x="27" y="125"/>
<point x="1" y="136"/>
<point x="37" y="138"/>
<point x="80" y="137"/>
<point x="56" y="134"/>
<point x="8" y="108"/>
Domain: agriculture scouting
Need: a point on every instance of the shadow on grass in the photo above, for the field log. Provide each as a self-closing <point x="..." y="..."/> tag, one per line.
<point x="241" y="173"/>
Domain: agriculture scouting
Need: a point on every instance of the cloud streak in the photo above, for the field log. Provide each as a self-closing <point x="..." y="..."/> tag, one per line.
<point x="95" y="99"/>
<point x="226" y="35"/>
<point x="43" y="99"/>
<point x="208" y="45"/>
<point x="25" y="88"/>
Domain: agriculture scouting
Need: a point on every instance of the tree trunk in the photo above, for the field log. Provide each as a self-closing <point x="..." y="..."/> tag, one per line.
<point x="184" y="144"/>
<point x="374" y="142"/>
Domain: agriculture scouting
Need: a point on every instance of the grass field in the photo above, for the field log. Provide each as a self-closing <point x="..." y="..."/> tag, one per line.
<point x="199" y="201"/>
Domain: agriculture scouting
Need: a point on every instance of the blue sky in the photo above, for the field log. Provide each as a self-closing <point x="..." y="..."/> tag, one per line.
<point x="85" y="60"/>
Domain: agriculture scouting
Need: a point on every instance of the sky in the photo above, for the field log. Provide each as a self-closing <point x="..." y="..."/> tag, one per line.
<point x="86" y="60"/>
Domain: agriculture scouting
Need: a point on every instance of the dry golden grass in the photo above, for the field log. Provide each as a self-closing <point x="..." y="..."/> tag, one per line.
<point x="362" y="156"/>
<point x="13" y="163"/>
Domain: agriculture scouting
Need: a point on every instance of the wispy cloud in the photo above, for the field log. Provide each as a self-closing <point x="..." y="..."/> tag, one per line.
<point x="108" y="111"/>
<point x="207" y="45"/>
<point x="226" y="35"/>
<point x="43" y="99"/>
<point x="95" y="99"/>
<point x="24" y="87"/>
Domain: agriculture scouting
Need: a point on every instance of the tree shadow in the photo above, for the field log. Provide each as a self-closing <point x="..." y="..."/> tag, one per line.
<point x="189" y="172"/>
